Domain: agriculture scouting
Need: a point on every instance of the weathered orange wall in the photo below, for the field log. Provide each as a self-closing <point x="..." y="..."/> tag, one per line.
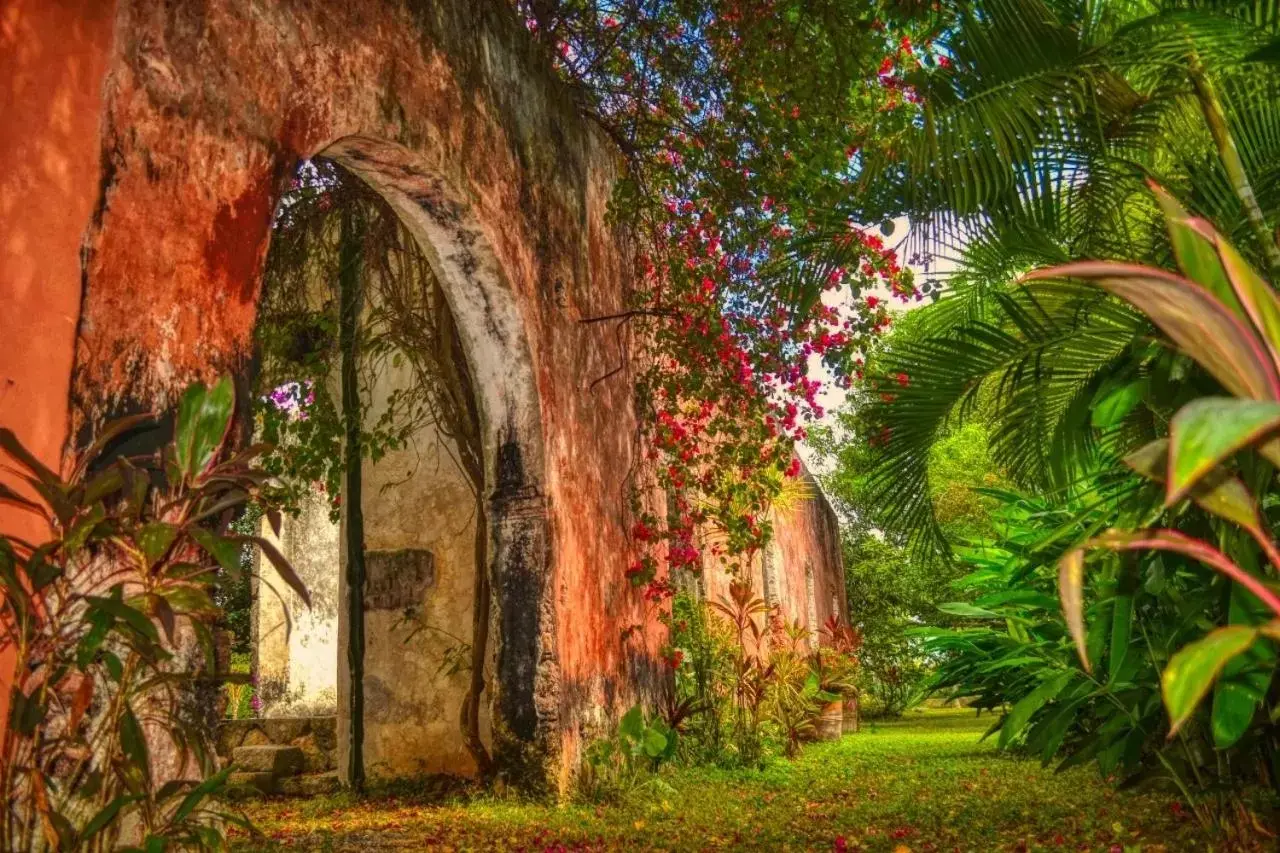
<point x="53" y="56"/>
<point x="207" y="105"/>
<point x="168" y="129"/>
<point x="804" y="535"/>
<point x="809" y="535"/>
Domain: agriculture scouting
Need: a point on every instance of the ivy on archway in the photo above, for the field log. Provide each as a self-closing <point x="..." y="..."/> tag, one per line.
<point x="347" y="294"/>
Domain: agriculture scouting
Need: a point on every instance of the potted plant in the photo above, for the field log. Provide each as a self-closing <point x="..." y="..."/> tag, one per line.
<point x="836" y="663"/>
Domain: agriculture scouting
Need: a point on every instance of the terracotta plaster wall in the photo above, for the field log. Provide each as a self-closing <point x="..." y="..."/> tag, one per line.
<point x="158" y="135"/>
<point x="809" y="537"/>
<point x="805" y="537"/>
<point x="206" y="106"/>
<point x="53" y="56"/>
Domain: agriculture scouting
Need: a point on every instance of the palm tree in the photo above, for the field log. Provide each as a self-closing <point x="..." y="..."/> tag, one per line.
<point x="1035" y="144"/>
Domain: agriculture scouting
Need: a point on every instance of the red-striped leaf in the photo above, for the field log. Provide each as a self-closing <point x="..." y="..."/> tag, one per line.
<point x="1193" y="318"/>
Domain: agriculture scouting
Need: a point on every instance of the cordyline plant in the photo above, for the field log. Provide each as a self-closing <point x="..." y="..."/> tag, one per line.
<point x="108" y="621"/>
<point x="1223" y="315"/>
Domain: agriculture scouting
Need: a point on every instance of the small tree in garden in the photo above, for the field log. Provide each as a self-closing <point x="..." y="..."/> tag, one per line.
<point x="1223" y="315"/>
<point x="1146" y="617"/>
<point x="109" y="621"/>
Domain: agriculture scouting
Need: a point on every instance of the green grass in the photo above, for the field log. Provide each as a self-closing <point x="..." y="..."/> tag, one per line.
<point x="923" y="783"/>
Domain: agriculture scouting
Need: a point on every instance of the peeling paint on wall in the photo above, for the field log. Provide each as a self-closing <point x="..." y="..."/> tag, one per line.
<point x="448" y="110"/>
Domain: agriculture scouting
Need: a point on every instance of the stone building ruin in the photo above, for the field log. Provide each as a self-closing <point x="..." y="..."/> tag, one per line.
<point x="148" y="144"/>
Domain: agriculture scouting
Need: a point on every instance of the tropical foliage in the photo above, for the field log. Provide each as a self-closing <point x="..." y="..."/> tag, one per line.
<point x="1037" y="146"/>
<point x="747" y="684"/>
<point x="1033" y="149"/>
<point x="110" y="625"/>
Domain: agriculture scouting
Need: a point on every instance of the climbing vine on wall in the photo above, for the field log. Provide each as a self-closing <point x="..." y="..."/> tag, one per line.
<point x="335" y="239"/>
<point x="742" y="123"/>
<point x="298" y="331"/>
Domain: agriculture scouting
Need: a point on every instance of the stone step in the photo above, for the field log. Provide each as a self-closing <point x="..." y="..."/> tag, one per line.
<point x="241" y="786"/>
<point x="311" y="784"/>
<point x="263" y="730"/>
<point x="279" y="761"/>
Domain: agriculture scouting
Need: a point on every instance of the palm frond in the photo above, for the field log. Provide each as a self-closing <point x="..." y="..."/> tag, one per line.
<point x="1031" y="366"/>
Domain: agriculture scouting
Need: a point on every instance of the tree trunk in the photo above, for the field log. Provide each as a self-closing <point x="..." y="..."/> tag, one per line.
<point x="1216" y="118"/>
<point x="348" y="328"/>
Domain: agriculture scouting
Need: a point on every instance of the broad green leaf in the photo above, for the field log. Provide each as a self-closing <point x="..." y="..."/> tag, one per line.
<point x="1192" y="670"/>
<point x="154" y="538"/>
<point x="100" y="623"/>
<point x="204" y="416"/>
<point x="1005" y="663"/>
<point x="1096" y="637"/>
<point x="655" y="743"/>
<point x="961" y="608"/>
<point x="107" y="482"/>
<point x="115" y="668"/>
<point x="188" y="599"/>
<point x="1056" y="729"/>
<point x="131" y="616"/>
<point x="1195" y="250"/>
<point x="1218" y="492"/>
<point x="1193" y="318"/>
<point x="1208" y="430"/>
<point x="1026" y="707"/>
<point x="1071" y="591"/>
<point x="631" y="726"/>
<point x="1258" y="297"/>
<point x="225" y="551"/>
<point x="134" y="743"/>
<point x="1246" y="678"/>
<point x="1112" y="404"/>
<point x="1121" y="630"/>
<point x="1026" y="597"/>
<point x="660" y="725"/>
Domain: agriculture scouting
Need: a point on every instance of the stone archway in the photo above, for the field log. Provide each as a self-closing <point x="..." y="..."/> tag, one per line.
<point x="494" y="342"/>
<point x="196" y="113"/>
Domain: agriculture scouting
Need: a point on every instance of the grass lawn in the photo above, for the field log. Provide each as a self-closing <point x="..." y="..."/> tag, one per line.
<point x="923" y="783"/>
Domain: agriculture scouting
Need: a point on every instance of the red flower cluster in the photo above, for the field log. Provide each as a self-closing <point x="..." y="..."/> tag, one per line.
<point x="727" y="384"/>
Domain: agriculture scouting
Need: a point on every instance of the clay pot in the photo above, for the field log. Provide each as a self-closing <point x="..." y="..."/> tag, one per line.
<point x="851" y="722"/>
<point x="830" y="722"/>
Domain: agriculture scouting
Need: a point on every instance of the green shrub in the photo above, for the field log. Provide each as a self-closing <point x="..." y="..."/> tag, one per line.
<point x="110" y="622"/>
